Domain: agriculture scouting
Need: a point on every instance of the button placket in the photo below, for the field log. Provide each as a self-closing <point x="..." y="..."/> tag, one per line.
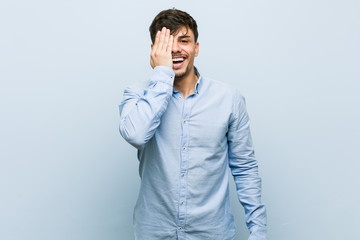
<point x="183" y="161"/>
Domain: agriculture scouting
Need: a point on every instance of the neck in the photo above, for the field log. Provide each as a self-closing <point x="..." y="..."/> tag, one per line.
<point x="186" y="84"/>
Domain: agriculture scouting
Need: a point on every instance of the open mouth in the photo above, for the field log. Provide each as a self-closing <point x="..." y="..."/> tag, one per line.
<point x="178" y="61"/>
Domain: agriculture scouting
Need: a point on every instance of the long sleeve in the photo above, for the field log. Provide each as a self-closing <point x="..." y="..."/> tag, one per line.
<point x="141" y="109"/>
<point x="244" y="169"/>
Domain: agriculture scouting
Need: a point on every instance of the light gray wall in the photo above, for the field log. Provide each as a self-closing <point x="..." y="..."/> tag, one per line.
<point x="65" y="172"/>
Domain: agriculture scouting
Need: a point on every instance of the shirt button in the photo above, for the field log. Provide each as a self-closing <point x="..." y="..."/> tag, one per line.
<point x="180" y="228"/>
<point x="168" y="98"/>
<point x="179" y="97"/>
<point x="182" y="174"/>
<point x="184" y="121"/>
<point x="182" y="203"/>
<point x="184" y="148"/>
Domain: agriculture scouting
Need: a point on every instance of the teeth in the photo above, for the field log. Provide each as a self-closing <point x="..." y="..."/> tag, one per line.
<point x="178" y="59"/>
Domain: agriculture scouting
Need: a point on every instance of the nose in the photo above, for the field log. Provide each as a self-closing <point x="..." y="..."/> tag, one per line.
<point x="175" y="47"/>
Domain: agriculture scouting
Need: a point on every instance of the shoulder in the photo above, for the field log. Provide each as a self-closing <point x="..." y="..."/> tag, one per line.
<point x="222" y="89"/>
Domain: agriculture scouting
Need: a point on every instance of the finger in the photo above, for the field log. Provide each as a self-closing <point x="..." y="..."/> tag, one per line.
<point x="157" y="39"/>
<point x="166" y="40"/>
<point x="162" y="37"/>
<point x="171" y="41"/>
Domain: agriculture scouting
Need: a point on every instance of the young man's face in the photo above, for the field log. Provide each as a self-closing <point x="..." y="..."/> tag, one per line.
<point x="184" y="50"/>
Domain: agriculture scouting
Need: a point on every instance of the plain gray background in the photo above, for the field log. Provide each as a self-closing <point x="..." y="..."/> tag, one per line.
<point x="65" y="172"/>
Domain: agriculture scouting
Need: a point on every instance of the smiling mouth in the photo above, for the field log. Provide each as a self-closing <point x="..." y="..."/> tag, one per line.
<point x="177" y="60"/>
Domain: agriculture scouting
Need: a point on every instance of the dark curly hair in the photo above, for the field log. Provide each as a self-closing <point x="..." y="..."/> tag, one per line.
<point x="172" y="19"/>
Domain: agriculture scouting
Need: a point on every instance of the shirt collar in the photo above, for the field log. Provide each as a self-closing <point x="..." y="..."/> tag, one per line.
<point x="198" y="83"/>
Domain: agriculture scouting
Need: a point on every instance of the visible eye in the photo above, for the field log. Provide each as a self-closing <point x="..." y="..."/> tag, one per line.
<point x="184" y="41"/>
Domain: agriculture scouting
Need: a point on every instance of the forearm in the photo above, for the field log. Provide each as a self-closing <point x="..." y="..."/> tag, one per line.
<point x="244" y="168"/>
<point x="248" y="187"/>
<point x="140" y="112"/>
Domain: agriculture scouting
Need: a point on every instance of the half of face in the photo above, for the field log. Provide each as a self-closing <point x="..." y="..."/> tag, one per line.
<point x="184" y="50"/>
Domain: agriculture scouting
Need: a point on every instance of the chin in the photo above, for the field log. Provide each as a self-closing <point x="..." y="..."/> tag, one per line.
<point x="179" y="73"/>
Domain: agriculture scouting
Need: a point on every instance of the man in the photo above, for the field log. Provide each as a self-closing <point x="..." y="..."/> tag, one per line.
<point x="188" y="130"/>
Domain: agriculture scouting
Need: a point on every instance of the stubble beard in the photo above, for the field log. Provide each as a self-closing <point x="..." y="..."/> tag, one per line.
<point x="184" y="73"/>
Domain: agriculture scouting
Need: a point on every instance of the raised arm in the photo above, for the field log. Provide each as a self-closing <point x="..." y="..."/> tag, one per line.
<point x="141" y="109"/>
<point x="244" y="168"/>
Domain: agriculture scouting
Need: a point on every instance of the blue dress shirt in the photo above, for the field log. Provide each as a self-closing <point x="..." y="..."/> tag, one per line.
<point x="185" y="147"/>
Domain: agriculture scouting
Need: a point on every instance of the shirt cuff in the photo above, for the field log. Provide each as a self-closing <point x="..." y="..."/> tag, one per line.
<point x="257" y="233"/>
<point x="162" y="74"/>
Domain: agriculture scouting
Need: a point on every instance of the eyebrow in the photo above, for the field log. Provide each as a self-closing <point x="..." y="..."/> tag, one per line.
<point x="184" y="36"/>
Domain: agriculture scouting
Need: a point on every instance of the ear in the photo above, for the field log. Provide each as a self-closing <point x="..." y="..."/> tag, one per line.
<point x="196" y="49"/>
<point x="152" y="45"/>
